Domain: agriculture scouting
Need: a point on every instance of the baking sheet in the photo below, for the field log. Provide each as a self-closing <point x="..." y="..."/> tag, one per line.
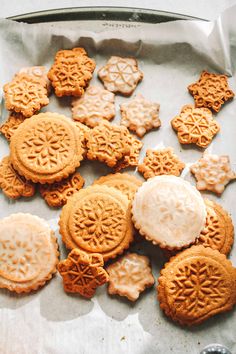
<point x="171" y="56"/>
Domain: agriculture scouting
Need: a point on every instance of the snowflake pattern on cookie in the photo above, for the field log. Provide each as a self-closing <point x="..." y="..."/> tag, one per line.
<point x="11" y="124"/>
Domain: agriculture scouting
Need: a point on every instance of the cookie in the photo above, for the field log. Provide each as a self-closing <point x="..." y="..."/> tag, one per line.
<point x="11" y="124"/>
<point x="46" y="148"/>
<point x="38" y="72"/>
<point x="213" y="172"/>
<point x="83" y="129"/>
<point x="129" y="276"/>
<point x="211" y="91"/>
<point x="127" y="184"/>
<point x="195" y="126"/>
<point x="25" y="94"/>
<point x="120" y="75"/>
<point x="131" y="160"/>
<point x="82" y="273"/>
<point x="140" y="115"/>
<point x="197" y="284"/>
<point x="71" y="72"/>
<point x="107" y="143"/>
<point x="28" y="252"/>
<point x="161" y="162"/>
<point x="169" y="211"/>
<point x="94" y="106"/>
<point x="57" y="194"/>
<point x="97" y="220"/>
<point x="12" y="184"/>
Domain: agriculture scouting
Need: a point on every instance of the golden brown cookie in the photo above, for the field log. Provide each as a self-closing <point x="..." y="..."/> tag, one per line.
<point x="11" y="124"/>
<point x="83" y="129"/>
<point x="131" y="160"/>
<point x="197" y="284"/>
<point x="46" y="148"/>
<point x="71" y="72"/>
<point x="129" y="276"/>
<point x="120" y="75"/>
<point x="57" y="194"/>
<point x="25" y="94"/>
<point x="28" y="252"/>
<point x="161" y="162"/>
<point x="140" y="115"/>
<point x="38" y="72"/>
<point x="211" y="91"/>
<point x="82" y="272"/>
<point x="127" y="184"/>
<point x="94" y="106"/>
<point x="195" y="126"/>
<point x="213" y="172"/>
<point x="107" y="143"/>
<point x="12" y="184"/>
<point x="97" y="220"/>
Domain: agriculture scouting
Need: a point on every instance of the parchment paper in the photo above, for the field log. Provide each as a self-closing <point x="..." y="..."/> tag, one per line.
<point x="171" y="55"/>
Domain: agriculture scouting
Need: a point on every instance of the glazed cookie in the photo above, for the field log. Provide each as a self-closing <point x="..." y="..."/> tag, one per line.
<point x="11" y="124"/>
<point x="197" y="284"/>
<point x="28" y="252"/>
<point x="38" y="72"/>
<point x="169" y="211"/>
<point x="131" y="160"/>
<point x="97" y="220"/>
<point x="46" y="148"/>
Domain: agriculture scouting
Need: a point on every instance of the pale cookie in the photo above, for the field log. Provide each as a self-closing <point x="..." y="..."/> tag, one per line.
<point x="211" y="91"/>
<point x="38" y="72"/>
<point x="97" y="220"/>
<point x="11" y="124"/>
<point x="82" y="273"/>
<point x="131" y="160"/>
<point x="129" y="276"/>
<point x="213" y="172"/>
<point x="25" y="94"/>
<point x="12" y="184"/>
<point x="71" y="72"/>
<point x="161" y="162"/>
<point x="127" y="184"/>
<point x="28" y="252"/>
<point x="197" y="284"/>
<point x="94" y="106"/>
<point x="140" y="115"/>
<point x="195" y="126"/>
<point x="120" y="75"/>
<point x="57" y="194"/>
<point x="169" y="211"/>
<point x="46" y="148"/>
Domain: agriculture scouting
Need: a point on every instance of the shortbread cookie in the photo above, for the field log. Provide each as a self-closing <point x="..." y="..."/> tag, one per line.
<point x="129" y="276"/>
<point x="213" y="172"/>
<point x="161" y="162"/>
<point x="127" y="184"/>
<point x="211" y="91"/>
<point x="140" y="115"/>
<point x="12" y="184"/>
<point x="169" y="211"/>
<point x="83" y="129"/>
<point x="131" y="160"/>
<point x="97" y="220"/>
<point x="107" y="143"/>
<point x="197" y="284"/>
<point x="82" y="272"/>
<point x="94" y="106"/>
<point x="195" y="126"/>
<point x="71" y="72"/>
<point x="11" y="124"/>
<point x="38" y="72"/>
<point x="25" y="94"/>
<point x="46" y="148"/>
<point x="120" y="75"/>
<point x="28" y="252"/>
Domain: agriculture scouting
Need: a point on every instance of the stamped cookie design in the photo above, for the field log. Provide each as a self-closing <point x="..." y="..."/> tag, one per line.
<point x="131" y="160"/>
<point x="83" y="129"/>
<point x="11" y="124"/>
<point x="211" y="91"/>
<point x="38" y="72"/>
<point x="129" y="276"/>
<point x="120" y="75"/>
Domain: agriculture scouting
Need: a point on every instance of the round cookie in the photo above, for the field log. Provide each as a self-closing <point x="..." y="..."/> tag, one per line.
<point x="28" y="252"/>
<point x="46" y="148"/>
<point x="97" y="220"/>
<point x="169" y="211"/>
<point x="197" y="284"/>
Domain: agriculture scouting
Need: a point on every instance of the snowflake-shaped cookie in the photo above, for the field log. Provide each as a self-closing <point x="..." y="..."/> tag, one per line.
<point x="213" y="172"/>
<point x="140" y="115"/>
<point x="120" y="75"/>
<point x="132" y="159"/>
<point x="11" y="124"/>
<point x="129" y="276"/>
<point x="38" y="72"/>
<point x="195" y="126"/>
<point x="211" y="91"/>
<point x="82" y="272"/>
